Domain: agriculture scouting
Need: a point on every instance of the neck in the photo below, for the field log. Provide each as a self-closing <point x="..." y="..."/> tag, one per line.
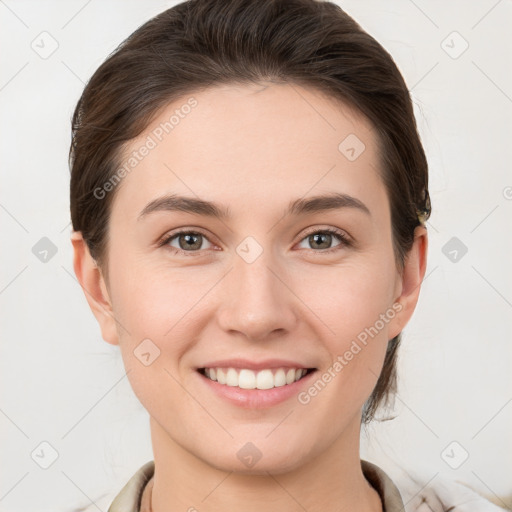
<point x="333" y="481"/>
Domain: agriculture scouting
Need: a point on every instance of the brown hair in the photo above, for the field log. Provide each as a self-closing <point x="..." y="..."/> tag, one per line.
<point x="199" y="43"/>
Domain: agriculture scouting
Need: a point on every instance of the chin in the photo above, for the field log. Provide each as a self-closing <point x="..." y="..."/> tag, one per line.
<point x="251" y="460"/>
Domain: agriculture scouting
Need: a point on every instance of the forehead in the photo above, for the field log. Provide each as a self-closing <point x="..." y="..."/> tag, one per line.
<point x="250" y="146"/>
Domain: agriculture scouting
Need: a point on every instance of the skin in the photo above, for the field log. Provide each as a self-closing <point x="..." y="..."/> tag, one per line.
<point x="253" y="149"/>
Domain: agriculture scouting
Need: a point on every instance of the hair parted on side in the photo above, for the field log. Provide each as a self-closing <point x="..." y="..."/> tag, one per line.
<point x="201" y="43"/>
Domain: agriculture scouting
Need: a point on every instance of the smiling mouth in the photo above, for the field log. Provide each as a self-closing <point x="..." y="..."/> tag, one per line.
<point x="249" y="379"/>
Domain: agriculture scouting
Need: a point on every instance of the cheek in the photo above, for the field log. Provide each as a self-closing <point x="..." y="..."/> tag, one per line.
<point x="163" y="313"/>
<point x="161" y="322"/>
<point x="349" y="299"/>
<point x="152" y="300"/>
<point x="354" y="305"/>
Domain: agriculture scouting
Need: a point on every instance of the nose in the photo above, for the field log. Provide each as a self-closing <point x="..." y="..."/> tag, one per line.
<point x="257" y="300"/>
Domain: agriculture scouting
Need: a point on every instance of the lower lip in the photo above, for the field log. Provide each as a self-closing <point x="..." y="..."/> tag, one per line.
<point x="257" y="398"/>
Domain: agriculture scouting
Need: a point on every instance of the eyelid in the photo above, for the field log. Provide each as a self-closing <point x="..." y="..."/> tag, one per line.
<point x="327" y="229"/>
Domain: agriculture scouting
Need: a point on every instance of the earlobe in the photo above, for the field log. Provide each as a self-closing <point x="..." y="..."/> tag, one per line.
<point x="410" y="282"/>
<point x="93" y="285"/>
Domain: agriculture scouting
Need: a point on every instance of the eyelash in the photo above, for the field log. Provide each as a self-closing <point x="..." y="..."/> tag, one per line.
<point x="343" y="238"/>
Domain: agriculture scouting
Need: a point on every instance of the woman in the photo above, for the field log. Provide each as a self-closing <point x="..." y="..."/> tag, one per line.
<point x="248" y="198"/>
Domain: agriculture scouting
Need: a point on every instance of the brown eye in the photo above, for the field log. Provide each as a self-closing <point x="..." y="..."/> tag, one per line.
<point x="187" y="241"/>
<point x="323" y="240"/>
<point x="190" y="241"/>
<point x="320" y="240"/>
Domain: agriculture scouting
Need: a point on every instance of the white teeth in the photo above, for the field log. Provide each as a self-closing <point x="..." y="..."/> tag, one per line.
<point x="279" y="378"/>
<point x="232" y="377"/>
<point x="248" y="379"/>
<point x="290" y="376"/>
<point x="264" y="379"/>
<point x="221" y="376"/>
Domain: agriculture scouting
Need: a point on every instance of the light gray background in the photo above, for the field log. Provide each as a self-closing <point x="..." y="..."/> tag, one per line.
<point x="62" y="384"/>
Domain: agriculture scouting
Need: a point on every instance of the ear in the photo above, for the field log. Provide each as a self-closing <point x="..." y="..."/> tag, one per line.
<point x="93" y="284"/>
<point x="409" y="283"/>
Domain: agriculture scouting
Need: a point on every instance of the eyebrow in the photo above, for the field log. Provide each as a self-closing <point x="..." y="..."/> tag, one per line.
<point x="297" y="207"/>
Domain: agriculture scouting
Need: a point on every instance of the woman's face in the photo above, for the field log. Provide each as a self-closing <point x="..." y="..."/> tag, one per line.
<point x="266" y="287"/>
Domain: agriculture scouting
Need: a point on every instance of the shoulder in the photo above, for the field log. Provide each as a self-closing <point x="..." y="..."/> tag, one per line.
<point x="129" y="497"/>
<point x="382" y="483"/>
<point x="426" y="492"/>
<point x="123" y="499"/>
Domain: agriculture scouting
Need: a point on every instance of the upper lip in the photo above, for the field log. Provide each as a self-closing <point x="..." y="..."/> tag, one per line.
<point x="254" y="365"/>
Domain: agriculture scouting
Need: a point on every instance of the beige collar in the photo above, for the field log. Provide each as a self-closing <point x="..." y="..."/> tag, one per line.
<point x="135" y="496"/>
